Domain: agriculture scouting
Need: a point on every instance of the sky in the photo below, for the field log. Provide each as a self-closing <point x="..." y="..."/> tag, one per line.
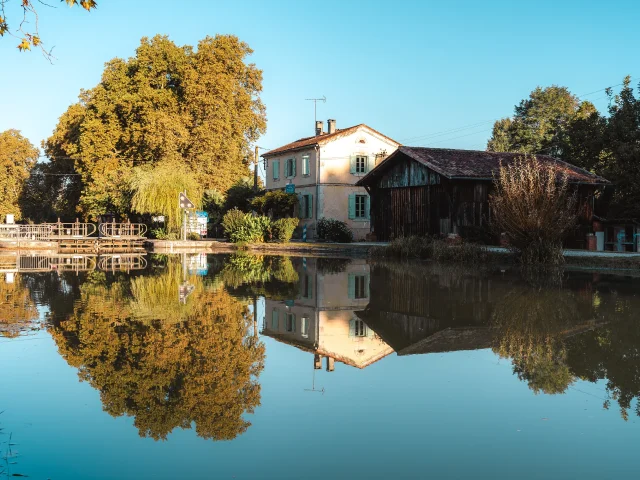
<point x="426" y="73"/>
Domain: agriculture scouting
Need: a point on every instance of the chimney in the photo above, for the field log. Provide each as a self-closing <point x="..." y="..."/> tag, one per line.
<point x="319" y="128"/>
<point x="331" y="125"/>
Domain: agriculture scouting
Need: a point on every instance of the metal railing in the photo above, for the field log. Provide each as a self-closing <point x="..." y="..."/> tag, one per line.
<point x="123" y="230"/>
<point x="47" y="231"/>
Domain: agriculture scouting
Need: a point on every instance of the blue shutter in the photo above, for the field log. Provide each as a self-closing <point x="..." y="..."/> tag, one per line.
<point x="371" y="163"/>
<point x="367" y="207"/>
<point x="310" y="288"/>
<point x="293" y="167"/>
<point x="301" y="212"/>
<point x="305" y="165"/>
<point x="366" y="286"/>
<point x="309" y="206"/>
<point x="352" y="327"/>
<point x="352" y="206"/>
<point x="370" y="333"/>
<point x="286" y="168"/>
<point x="276" y="169"/>
<point x="353" y="164"/>
<point x="274" y="319"/>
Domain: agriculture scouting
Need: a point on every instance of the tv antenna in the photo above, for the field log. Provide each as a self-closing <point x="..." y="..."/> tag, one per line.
<point x="315" y="105"/>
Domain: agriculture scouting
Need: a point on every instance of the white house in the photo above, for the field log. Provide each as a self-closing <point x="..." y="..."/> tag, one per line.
<point x="323" y="170"/>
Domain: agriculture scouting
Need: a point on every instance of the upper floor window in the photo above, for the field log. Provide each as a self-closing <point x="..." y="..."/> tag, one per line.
<point x="360" y="164"/>
<point x="290" y="168"/>
<point x="306" y="170"/>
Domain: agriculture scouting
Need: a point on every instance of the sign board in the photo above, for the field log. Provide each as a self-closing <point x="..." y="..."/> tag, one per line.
<point x="158" y="219"/>
<point x="290" y="188"/>
<point x="184" y="202"/>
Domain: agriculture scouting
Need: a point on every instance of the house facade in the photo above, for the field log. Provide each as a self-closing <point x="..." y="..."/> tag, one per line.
<point x="322" y="319"/>
<point x="323" y="170"/>
<point x="436" y="191"/>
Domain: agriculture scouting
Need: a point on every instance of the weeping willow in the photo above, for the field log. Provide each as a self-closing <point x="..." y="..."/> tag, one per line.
<point x="156" y="190"/>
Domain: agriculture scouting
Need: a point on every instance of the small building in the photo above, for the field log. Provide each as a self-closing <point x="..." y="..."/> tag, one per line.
<point x="323" y="169"/>
<point x="436" y="191"/>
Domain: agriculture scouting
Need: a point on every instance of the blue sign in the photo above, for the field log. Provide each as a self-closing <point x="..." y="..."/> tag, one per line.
<point x="290" y="188"/>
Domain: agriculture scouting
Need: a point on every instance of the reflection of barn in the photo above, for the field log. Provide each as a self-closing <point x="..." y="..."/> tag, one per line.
<point x="420" y="311"/>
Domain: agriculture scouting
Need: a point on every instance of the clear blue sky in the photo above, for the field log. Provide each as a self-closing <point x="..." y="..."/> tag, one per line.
<point x="406" y="68"/>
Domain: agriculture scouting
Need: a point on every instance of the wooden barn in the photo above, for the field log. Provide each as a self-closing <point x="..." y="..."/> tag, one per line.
<point x="436" y="191"/>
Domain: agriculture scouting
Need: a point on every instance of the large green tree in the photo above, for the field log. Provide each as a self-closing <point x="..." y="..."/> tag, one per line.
<point x="538" y="122"/>
<point x="17" y="157"/>
<point x="168" y="103"/>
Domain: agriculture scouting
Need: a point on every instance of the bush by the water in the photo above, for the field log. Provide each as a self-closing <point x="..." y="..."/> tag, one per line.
<point x="193" y="236"/>
<point x="432" y="249"/>
<point x="536" y="208"/>
<point x="163" y="234"/>
<point x="334" y="231"/>
<point x="242" y="227"/>
<point x="282" y="230"/>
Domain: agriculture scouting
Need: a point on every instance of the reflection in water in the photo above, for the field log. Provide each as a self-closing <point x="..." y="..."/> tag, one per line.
<point x="17" y="309"/>
<point x="168" y="364"/>
<point x="173" y="348"/>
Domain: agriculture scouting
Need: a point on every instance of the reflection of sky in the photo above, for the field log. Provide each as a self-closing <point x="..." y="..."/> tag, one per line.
<point x="455" y="415"/>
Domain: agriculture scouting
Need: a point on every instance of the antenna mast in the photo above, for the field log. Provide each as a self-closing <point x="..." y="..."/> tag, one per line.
<point x="315" y="105"/>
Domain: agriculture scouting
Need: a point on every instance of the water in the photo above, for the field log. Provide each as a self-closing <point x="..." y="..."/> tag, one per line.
<point x="155" y="368"/>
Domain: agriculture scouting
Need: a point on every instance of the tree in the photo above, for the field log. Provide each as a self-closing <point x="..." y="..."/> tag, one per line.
<point x="199" y="107"/>
<point x="156" y="189"/>
<point x="168" y="364"/>
<point x="538" y="122"/>
<point x="29" y="16"/>
<point x="17" y="157"/>
<point x="534" y="206"/>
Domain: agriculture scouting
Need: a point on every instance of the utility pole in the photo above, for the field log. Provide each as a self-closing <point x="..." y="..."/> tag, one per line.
<point x="255" y="169"/>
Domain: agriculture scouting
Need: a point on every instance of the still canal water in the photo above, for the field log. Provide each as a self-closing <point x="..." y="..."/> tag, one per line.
<point x="157" y="368"/>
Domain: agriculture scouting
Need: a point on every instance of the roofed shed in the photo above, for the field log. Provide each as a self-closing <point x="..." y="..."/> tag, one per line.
<point x="431" y="191"/>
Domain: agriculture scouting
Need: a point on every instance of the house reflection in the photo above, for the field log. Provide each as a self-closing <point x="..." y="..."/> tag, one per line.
<point x="322" y="318"/>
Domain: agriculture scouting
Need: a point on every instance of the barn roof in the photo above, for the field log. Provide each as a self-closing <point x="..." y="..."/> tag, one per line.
<point x="475" y="164"/>
<point x="322" y="139"/>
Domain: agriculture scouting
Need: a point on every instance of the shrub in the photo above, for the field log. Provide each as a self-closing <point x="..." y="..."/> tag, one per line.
<point x="282" y="230"/>
<point x="245" y="227"/>
<point x="276" y="204"/>
<point x="193" y="236"/>
<point x="428" y="248"/>
<point x="163" y="234"/>
<point x="535" y="208"/>
<point x="333" y="230"/>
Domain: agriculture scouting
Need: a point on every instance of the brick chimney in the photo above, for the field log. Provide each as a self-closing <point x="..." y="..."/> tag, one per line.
<point x="319" y="128"/>
<point x="331" y="125"/>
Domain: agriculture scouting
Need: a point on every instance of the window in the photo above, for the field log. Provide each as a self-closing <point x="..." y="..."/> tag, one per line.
<point x="357" y="328"/>
<point x="361" y="201"/>
<point x="359" y="164"/>
<point x="360" y="329"/>
<point x="360" y="289"/>
<point x="290" y="168"/>
<point x="276" y="169"/>
<point x="304" y="327"/>
<point x="358" y="286"/>
<point x="290" y="322"/>
<point x="306" y="206"/>
<point x="359" y="207"/>
<point x="306" y="287"/>
<point x="306" y="171"/>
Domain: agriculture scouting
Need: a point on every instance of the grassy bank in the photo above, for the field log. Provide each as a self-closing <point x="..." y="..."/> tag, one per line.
<point x="427" y="248"/>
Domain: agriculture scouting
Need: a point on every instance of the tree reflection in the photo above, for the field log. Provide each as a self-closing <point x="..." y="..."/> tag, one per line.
<point x="257" y="275"/>
<point x="166" y="363"/>
<point x="17" y="309"/>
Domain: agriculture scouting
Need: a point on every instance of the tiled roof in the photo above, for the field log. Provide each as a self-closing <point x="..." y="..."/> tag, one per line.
<point x="474" y="164"/>
<point x="321" y="140"/>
